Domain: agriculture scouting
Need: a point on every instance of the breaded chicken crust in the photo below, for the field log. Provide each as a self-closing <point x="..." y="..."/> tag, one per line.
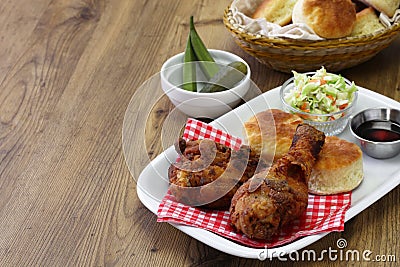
<point x="208" y="173"/>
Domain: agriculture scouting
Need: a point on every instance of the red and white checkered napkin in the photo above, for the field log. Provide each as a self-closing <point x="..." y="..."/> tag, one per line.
<point x="324" y="213"/>
<point x="195" y="130"/>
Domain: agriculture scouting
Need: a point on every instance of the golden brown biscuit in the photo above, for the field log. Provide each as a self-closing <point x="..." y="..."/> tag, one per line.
<point x="387" y="7"/>
<point x="275" y="11"/>
<point x="367" y="22"/>
<point x="328" y="19"/>
<point x="338" y="169"/>
<point x="270" y="133"/>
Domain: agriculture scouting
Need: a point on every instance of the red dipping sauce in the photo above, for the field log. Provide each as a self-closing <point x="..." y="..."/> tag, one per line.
<point x="379" y="131"/>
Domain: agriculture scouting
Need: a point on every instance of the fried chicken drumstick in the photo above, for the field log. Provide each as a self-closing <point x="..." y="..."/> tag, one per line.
<point x="272" y="199"/>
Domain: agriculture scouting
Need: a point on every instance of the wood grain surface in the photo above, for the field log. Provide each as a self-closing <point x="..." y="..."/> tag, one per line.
<point x="68" y="71"/>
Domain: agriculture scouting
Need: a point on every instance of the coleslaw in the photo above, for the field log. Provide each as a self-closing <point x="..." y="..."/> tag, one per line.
<point x="321" y="93"/>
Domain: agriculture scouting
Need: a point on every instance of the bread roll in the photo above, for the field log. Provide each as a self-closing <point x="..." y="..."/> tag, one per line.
<point x="339" y="168"/>
<point x="275" y="11"/>
<point x="366" y="22"/>
<point x="328" y="19"/>
<point x="387" y="7"/>
<point x="270" y="133"/>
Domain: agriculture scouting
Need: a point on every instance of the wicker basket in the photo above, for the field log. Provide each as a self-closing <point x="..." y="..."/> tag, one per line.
<point x="284" y="54"/>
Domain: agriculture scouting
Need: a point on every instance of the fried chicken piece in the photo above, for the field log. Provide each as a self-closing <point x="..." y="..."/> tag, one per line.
<point x="208" y="173"/>
<point x="272" y="199"/>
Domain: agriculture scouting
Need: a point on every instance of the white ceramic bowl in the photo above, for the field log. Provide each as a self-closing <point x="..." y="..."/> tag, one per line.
<point x="204" y="105"/>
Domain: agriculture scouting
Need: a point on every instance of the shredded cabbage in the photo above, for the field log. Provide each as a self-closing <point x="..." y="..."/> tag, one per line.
<point x="321" y="93"/>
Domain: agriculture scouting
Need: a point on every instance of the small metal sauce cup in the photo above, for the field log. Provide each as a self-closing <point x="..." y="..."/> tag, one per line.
<point x="377" y="149"/>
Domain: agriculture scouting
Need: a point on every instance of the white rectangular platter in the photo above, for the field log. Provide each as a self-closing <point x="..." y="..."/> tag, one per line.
<point x="380" y="176"/>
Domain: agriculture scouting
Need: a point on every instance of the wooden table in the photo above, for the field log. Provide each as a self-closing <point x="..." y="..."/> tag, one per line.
<point x="68" y="72"/>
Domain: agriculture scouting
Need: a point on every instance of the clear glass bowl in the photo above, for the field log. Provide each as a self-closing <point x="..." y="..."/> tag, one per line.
<point x="329" y="127"/>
